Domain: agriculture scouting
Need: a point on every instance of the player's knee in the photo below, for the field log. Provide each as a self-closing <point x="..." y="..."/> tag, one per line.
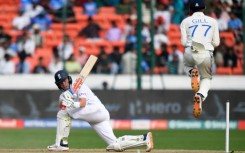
<point x="62" y="114"/>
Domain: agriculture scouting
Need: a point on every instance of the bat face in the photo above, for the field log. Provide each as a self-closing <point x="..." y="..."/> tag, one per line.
<point x="77" y="84"/>
<point x="85" y="71"/>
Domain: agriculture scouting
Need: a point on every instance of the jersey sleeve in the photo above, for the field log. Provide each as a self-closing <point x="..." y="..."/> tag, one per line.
<point x="183" y="33"/>
<point x="82" y="92"/>
<point x="216" y="38"/>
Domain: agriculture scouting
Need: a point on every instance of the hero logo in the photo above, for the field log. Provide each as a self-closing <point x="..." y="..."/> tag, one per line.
<point x="138" y="107"/>
<point x="163" y="108"/>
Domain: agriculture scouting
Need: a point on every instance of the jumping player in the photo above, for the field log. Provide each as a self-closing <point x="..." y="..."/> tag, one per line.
<point x="199" y="35"/>
<point x="85" y="105"/>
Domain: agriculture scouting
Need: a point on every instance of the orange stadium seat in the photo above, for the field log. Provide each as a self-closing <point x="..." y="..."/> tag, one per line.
<point x="107" y="10"/>
<point x="237" y="71"/>
<point x="229" y="38"/>
<point x="15" y="60"/>
<point x="7" y="27"/>
<point x="56" y="26"/>
<point x="120" y="44"/>
<point x="104" y="43"/>
<point x="51" y="38"/>
<point x="175" y="42"/>
<point x="102" y="33"/>
<point x="78" y="10"/>
<point x="46" y="53"/>
<point x="224" y="71"/>
<point x="10" y="2"/>
<point x="72" y="26"/>
<point x="72" y="33"/>
<point x="90" y="47"/>
<point x="115" y="17"/>
<point x="174" y="27"/>
<point x="6" y="18"/>
<point x="101" y="19"/>
<point x="9" y="9"/>
<point x="81" y="19"/>
<point x="158" y="51"/>
<point x="174" y="35"/>
<point x="160" y="70"/>
<point x="32" y="61"/>
<point x="13" y="33"/>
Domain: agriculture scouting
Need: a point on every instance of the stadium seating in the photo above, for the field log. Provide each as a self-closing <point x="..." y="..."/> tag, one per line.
<point x="229" y="38"/>
<point x="224" y="71"/>
<point x="104" y="17"/>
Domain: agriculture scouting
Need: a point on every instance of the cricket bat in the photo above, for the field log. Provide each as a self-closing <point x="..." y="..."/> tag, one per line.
<point x="83" y="74"/>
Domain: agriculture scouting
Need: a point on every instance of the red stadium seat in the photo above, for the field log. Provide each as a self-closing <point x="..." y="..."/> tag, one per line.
<point x="107" y="10"/>
<point x="229" y="38"/>
<point x="174" y="27"/>
<point x="120" y="44"/>
<point x="237" y="71"/>
<point x="77" y="10"/>
<point x="46" y="53"/>
<point x="224" y="71"/>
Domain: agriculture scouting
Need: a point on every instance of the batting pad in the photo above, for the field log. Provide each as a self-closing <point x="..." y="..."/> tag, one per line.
<point x="127" y="142"/>
<point x="63" y="128"/>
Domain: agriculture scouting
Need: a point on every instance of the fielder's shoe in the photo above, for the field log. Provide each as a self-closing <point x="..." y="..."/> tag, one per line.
<point x="197" y="107"/>
<point x="195" y="85"/>
<point x="57" y="148"/>
<point x="149" y="142"/>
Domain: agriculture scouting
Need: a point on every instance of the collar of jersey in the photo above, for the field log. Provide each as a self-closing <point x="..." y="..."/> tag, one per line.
<point x="198" y="14"/>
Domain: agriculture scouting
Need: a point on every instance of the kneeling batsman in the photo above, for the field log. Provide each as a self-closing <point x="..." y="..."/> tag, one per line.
<point x="85" y="105"/>
<point x="119" y="144"/>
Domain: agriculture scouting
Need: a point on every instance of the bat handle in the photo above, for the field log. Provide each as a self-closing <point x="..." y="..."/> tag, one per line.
<point x="64" y="107"/>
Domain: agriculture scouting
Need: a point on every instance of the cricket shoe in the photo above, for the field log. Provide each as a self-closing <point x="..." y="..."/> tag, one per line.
<point x="195" y="85"/>
<point x="197" y="107"/>
<point x="149" y="142"/>
<point x="58" y="148"/>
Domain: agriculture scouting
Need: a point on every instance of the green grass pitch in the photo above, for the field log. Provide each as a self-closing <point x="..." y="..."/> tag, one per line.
<point x="88" y="139"/>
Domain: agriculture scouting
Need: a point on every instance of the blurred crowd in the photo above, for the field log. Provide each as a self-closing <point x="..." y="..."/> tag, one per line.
<point x="20" y="43"/>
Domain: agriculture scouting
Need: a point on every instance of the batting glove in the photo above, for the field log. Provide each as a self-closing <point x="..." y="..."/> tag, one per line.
<point x="69" y="94"/>
<point x="67" y="102"/>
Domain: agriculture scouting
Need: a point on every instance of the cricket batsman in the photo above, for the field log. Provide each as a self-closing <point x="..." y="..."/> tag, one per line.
<point x="85" y="105"/>
<point x="199" y="35"/>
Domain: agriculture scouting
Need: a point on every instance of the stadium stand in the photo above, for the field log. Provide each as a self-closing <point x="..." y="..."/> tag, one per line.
<point x="104" y="16"/>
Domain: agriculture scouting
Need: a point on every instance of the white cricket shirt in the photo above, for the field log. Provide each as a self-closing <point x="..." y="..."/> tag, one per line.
<point x="92" y="102"/>
<point x="201" y="28"/>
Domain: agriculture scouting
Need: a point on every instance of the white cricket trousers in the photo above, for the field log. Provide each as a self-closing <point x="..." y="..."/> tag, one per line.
<point x="203" y="61"/>
<point x="99" y="119"/>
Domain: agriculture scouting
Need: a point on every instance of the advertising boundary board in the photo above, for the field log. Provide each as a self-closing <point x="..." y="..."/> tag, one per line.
<point x="127" y="104"/>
